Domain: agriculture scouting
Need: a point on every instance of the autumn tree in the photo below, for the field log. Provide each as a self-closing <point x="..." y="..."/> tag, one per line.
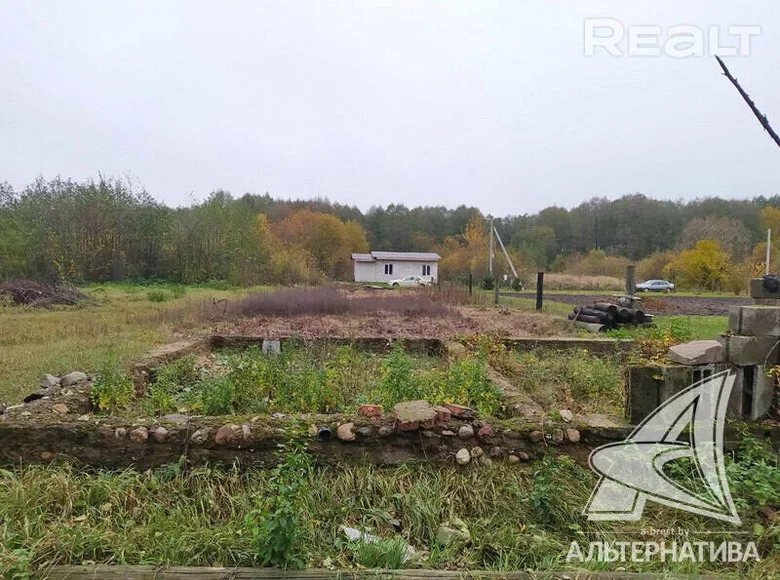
<point x="705" y="266"/>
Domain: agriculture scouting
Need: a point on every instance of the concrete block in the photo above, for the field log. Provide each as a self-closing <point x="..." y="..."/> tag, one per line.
<point x="755" y="320"/>
<point x="750" y="350"/>
<point x="651" y="385"/>
<point x="756" y="390"/>
<point x="697" y="352"/>
<point x="757" y="290"/>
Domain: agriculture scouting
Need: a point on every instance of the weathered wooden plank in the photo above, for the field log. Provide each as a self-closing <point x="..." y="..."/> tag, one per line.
<point x="192" y="573"/>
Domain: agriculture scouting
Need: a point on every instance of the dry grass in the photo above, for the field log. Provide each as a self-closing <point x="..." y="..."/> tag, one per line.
<point x="582" y="282"/>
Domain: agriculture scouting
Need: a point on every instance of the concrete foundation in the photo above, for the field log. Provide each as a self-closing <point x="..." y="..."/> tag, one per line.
<point x="755" y="320"/>
<point x="751" y="350"/>
<point x="755" y="390"/>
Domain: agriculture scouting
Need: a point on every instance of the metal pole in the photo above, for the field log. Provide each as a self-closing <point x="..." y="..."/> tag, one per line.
<point x="471" y="284"/>
<point x="495" y="287"/>
<point x="768" y="245"/>
<point x="539" y="289"/>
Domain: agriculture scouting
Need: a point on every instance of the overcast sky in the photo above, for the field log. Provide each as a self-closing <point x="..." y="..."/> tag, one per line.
<point x="493" y="104"/>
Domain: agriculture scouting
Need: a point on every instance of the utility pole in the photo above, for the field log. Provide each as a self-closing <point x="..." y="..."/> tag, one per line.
<point x="490" y="251"/>
<point x="768" y="244"/>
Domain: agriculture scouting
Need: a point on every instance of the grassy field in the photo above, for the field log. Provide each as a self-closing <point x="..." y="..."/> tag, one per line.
<point x="123" y="324"/>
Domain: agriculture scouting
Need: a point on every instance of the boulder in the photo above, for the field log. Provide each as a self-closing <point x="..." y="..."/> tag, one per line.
<point x="346" y="432"/>
<point x="573" y="435"/>
<point x="566" y="415"/>
<point x="160" y="435"/>
<point x="536" y="436"/>
<point x="73" y="378"/>
<point x="139" y="435"/>
<point x="463" y="456"/>
<point x="466" y="432"/>
<point x="60" y="409"/>
<point x="226" y="434"/>
<point x="697" y="352"/>
<point x="48" y="381"/>
<point x="412" y="415"/>
<point x="370" y="410"/>
<point x="460" y="411"/>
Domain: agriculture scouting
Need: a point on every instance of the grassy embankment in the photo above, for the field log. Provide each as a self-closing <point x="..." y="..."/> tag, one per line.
<point x="518" y="517"/>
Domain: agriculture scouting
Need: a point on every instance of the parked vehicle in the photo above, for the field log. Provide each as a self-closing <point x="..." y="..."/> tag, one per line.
<point x="410" y="281"/>
<point x="655" y="286"/>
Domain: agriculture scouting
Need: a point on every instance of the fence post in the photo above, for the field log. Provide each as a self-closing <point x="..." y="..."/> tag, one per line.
<point x="539" y="289"/>
<point x="630" y="280"/>
<point x="471" y="284"/>
<point x="495" y="288"/>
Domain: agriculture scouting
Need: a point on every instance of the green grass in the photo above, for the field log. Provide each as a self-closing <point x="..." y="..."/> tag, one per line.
<point x="319" y="379"/>
<point x="519" y="518"/>
<point x="120" y="328"/>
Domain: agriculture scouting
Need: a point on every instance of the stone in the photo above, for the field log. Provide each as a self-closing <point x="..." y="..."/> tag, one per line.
<point x="536" y="436"/>
<point x="120" y="433"/>
<point x="523" y="456"/>
<point x="697" y="352"/>
<point x="412" y="415"/>
<point x="200" y="436"/>
<point x="366" y="431"/>
<point x="345" y="432"/>
<point x="573" y="435"/>
<point x="139" y="435"/>
<point x="160" y="435"/>
<point x="460" y="411"/>
<point x="60" y="408"/>
<point x="246" y="431"/>
<point x="443" y="414"/>
<point x="49" y="381"/>
<point x="466" y="432"/>
<point x="496" y="453"/>
<point x="485" y="432"/>
<point x="370" y="410"/>
<point x="428" y="434"/>
<point x="463" y="456"/>
<point x="557" y="436"/>
<point x="47" y="455"/>
<point x="477" y="452"/>
<point x="448" y="433"/>
<point x="446" y="535"/>
<point x="514" y="459"/>
<point x="485" y="461"/>
<point x="271" y="347"/>
<point x="73" y="378"/>
<point x="226" y="434"/>
<point x="385" y="431"/>
<point x="177" y="418"/>
<point x="566" y="415"/>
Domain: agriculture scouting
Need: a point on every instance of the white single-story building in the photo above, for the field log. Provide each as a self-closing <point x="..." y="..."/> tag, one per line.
<point x="388" y="266"/>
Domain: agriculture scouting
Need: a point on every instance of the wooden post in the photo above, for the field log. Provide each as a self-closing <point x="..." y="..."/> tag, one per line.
<point x="471" y="284"/>
<point x="539" y="289"/>
<point x="495" y="290"/>
<point x="630" y="280"/>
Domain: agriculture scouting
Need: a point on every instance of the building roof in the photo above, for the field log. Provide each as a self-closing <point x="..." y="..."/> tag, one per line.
<point x="399" y="256"/>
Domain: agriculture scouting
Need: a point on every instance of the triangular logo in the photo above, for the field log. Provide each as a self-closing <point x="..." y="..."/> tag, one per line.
<point x="632" y="470"/>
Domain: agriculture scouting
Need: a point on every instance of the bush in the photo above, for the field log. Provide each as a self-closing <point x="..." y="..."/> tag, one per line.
<point x="517" y="284"/>
<point x="488" y="282"/>
<point x="112" y="389"/>
<point x="158" y="296"/>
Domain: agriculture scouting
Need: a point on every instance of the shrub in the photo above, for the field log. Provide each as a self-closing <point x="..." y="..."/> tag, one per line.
<point x="398" y="383"/>
<point x="158" y="296"/>
<point x="488" y="282"/>
<point x="277" y="524"/>
<point x="178" y="290"/>
<point x="517" y="284"/>
<point x="112" y="389"/>
<point x="170" y="380"/>
<point x="381" y="553"/>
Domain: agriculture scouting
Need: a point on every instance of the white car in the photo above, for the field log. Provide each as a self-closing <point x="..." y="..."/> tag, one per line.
<point x="410" y="281"/>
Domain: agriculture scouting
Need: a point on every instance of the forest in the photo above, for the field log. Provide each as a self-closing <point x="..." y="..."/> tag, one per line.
<point x="106" y="229"/>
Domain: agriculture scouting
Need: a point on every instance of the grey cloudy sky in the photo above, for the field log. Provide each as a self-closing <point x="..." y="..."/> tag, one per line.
<point x="440" y="103"/>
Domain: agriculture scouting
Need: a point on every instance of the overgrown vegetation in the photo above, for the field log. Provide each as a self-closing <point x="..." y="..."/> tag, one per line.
<point x="519" y="518"/>
<point x="306" y="379"/>
<point x="329" y="300"/>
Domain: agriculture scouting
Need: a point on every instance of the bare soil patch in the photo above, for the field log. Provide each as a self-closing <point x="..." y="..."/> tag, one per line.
<point x="464" y="320"/>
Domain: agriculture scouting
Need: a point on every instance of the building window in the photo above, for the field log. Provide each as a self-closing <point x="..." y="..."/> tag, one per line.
<point x="388" y="269"/>
<point x="426" y="270"/>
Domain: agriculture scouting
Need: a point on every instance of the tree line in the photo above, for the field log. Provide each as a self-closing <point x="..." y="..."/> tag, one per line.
<point x="106" y="229"/>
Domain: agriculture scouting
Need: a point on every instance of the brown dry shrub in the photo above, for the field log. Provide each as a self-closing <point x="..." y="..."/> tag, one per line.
<point x="327" y="300"/>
